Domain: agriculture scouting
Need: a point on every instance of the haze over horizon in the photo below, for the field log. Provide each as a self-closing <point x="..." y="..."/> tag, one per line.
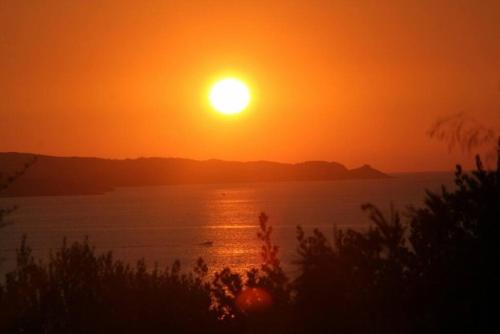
<point x="357" y="83"/>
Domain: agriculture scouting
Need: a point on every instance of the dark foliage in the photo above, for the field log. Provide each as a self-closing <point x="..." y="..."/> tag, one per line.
<point x="6" y="179"/>
<point x="436" y="274"/>
<point x="81" y="292"/>
<point x="463" y="132"/>
<point x="435" y="271"/>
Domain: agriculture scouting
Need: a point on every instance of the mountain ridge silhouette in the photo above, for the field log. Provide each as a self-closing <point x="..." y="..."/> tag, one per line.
<point x="52" y="175"/>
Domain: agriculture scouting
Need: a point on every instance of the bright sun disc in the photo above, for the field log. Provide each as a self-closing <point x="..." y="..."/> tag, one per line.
<point x="229" y="96"/>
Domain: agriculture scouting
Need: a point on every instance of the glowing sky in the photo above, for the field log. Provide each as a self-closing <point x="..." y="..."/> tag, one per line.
<point x="352" y="81"/>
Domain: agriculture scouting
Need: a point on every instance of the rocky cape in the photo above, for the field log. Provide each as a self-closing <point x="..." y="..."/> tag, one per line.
<point x="50" y="176"/>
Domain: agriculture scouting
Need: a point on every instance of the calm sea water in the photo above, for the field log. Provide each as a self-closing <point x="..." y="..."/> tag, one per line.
<point x="165" y="223"/>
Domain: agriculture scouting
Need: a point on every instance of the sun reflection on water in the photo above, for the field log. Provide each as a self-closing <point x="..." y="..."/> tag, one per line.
<point x="235" y="246"/>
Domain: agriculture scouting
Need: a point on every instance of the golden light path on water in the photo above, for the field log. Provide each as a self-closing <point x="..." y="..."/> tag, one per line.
<point x="235" y="249"/>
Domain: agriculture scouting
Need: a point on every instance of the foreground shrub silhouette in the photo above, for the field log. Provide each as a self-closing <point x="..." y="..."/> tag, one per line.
<point x="433" y="271"/>
<point x="435" y="274"/>
<point x="81" y="292"/>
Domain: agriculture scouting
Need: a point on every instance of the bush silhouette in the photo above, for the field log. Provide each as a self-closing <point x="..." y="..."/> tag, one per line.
<point x="6" y="179"/>
<point x="433" y="274"/>
<point x="431" y="270"/>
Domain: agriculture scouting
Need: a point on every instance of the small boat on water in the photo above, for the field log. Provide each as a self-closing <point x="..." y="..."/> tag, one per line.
<point x="207" y="243"/>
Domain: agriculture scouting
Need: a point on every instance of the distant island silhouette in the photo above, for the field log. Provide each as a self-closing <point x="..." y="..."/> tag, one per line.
<point x="51" y="175"/>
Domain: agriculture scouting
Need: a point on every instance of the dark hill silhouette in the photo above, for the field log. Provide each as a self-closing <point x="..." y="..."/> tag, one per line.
<point x="75" y="175"/>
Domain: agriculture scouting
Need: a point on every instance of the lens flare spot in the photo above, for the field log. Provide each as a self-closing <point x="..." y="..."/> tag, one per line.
<point x="254" y="300"/>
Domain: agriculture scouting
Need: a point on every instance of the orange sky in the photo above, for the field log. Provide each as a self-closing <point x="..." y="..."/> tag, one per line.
<point x="352" y="81"/>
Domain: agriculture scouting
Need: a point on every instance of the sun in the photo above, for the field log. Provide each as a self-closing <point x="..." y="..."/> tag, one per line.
<point x="229" y="96"/>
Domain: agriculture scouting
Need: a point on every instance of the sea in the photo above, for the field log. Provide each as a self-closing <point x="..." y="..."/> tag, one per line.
<point x="217" y="222"/>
